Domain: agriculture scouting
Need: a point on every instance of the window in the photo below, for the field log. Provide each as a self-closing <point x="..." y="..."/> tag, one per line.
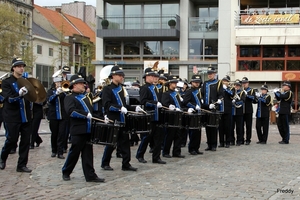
<point x="39" y="49"/>
<point x="50" y="51"/>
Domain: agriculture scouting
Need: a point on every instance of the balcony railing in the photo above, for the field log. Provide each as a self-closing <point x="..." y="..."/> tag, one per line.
<point x="137" y="22"/>
<point x="267" y="16"/>
<point x="197" y="24"/>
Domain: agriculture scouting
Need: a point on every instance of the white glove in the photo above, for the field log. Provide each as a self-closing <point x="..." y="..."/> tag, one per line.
<point x="177" y="109"/>
<point x="233" y="101"/>
<point x="106" y="119"/>
<point x="23" y="91"/>
<point x="202" y="101"/>
<point x="58" y="90"/>
<point x="124" y="110"/>
<point x="212" y="106"/>
<point x="171" y="107"/>
<point x="198" y="107"/>
<point x="224" y="86"/>
<point x="158" y="105"/>
<point x="181" y="99"/>
<point x="276" y="90"/>
<point x="219" y="101"/>
<point x="138" y="109"/>
<point x="257" y="94"/>
<point x="274" y="108"/>
<point x="89" y="116"/>
<point x="190" y="110"/>
<point x="245" y="92"/>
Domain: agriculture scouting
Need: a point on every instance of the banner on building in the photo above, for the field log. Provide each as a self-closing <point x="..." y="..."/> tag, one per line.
<point x="270" y="19"/>
<point x="157" y="65"/>
<point x="291" y="76"/>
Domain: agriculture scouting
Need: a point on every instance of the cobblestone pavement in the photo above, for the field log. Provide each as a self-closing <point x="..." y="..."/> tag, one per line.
<point x="247" y="172"/>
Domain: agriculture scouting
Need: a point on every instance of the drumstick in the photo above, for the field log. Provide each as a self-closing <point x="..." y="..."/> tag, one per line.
<point x="135" y="112"/>
<point x="171" y="109"/>
<point x="206" y="110"/>
<point x="101" y="120"/>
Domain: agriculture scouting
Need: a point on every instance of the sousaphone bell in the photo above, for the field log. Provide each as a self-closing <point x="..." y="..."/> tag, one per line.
<point x="31" y="94"/>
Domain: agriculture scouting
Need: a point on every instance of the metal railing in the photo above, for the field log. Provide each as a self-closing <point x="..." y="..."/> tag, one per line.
<point x="197" y="24"/>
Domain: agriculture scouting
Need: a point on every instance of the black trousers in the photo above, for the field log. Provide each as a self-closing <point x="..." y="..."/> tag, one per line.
<point x="80" y="145"/>
<point x="13" y="131"/>
<point x="195" y="139"/>
<point x="262" y="128"/>
<point x="284" y="127"/>
<point x="172" y="136"/>
<point x="237" y="124"/>
<point x="35" y="137"/>
<point x="157" y="137"/>
<point x="124" y="144"/>
<point x="58" y="135"/>
<point x="225" y="129"/>
<point x="211" y="136"/>
<point x="184" y="135"/>
<point x="248" y="122"/>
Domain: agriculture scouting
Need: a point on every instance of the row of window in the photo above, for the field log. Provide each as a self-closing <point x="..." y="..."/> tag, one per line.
<point x="39" y="50"/>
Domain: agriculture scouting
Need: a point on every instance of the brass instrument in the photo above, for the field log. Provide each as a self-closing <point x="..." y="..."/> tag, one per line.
<point x="96" y="96"/>
<point x="236" y="97"/>
<point x="65" y="86"/>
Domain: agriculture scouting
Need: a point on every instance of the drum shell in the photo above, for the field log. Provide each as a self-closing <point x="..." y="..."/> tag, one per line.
<point x="138" y="123"/>
<point x="192" y="121"/>
<point x="213" y="119"/>
<point x="104" y="134"/>
<point x="171" y="118"/>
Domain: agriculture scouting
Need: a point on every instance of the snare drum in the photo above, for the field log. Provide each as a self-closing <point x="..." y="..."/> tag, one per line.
<point x="138" y="123"/>
<point x="192" y="121"/>
<point x="213" y="119"/>
<point x="171" y="118"/>
<point x="104" y="134"/>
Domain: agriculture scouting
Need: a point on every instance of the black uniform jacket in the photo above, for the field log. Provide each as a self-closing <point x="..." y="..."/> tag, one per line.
<point x="285" y="99"/>
<point x="113" y="99"/>
<point x="149" y="98"/>
<point x="250" y="98"/>
<point x="239" y="102"/>
<point x="171" y="97"/>
<point x="263" y="106"/>
<point x="56" y="105"/>
<point x="77" y="106"/>
<point x="211" y="91"/>
<point x="192" y="98"/>
<point x="226" y="105"/>
<point x="16" y="108"/>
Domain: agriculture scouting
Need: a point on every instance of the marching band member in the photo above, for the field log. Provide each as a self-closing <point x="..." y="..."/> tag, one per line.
<point x="16" y="116"/>
<point x="65" y="70"/>
<point x="285" y="97"/>
<point x="192" y="100"/>
<point x="115" y="107"/>
<point x="171" y="99"/>
<point x="212" y="93"/>
<point x="58" y="119"/>
<point x="263" y="101"/>
<point x="37" y="112"/>
<point x="149" y="98"/>
<point x="226" y="118"/>
<point x="237" y="114"/>
<point x="79" y="107"/>
<point x="248" y="110"/>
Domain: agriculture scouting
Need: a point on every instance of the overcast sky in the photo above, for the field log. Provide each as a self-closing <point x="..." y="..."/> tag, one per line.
<point x="59" y="2"/>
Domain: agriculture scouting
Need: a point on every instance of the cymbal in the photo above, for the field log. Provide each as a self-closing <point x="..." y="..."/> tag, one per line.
<point x="31" y="95"/>
<point x="39" y="90"/>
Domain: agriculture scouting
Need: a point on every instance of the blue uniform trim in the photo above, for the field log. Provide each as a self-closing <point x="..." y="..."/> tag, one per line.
<point x="229" y="91"/>
<point x="249" y="96"/>
<point x="21" y="103"/>
<point x="81" y="98"/>
<point x="152" y="90"/>
<point x="96" y="106"/>
<point x="207" y="90"/>
<point x="116" y="92"/>
<point x="75" y="114"/>
<point x="1" y="98"/>
<point x="173" y="95"/>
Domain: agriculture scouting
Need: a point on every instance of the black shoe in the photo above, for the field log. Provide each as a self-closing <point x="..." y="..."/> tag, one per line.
<point x="247" y="143"/>
<point x="238" y="144"/>
<point x="221" y="145"/>
<point x="283" y="142"/>
<point x="258" y="142"/>
<point x="107" y="167"/>
<point x="2" y="164"/>
<point x="179" y="156"/>
<point x="208" y="149"/>
<point x="213" y="149"/>
<point x="119" y="155"/>
<point x="151" y="150"/>
<point x="263" y="143"/>
<point x="227" y="146"/>
<point x="24" y="169"/>
<point x="31" y="147"/>
<point x="159" y="161"/>
<point x="13" y="151"/>
<point x="38" y="144"/>
<point x="193" y="153"/>
<point x="130" y="168"/>
<point x="53" y="155"/>
<point x="167" y="156"/>
<point x="60" y="156"/>
<point x="96" y="180"/>
<point x="199" y="152"/>
<point x="66" y="177"/>
<point x="232" y="143"/>
<point x="142" y="160"/>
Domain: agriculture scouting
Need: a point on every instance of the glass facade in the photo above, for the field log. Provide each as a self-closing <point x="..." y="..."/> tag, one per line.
<point x="203" y="49"/>
<point x="44" y="74"/>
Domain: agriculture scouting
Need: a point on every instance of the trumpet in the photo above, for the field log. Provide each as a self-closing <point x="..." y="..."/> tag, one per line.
<point x="236" y="97"/>
<point x="96" y="96"/>
<point x="65" y="86"/>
